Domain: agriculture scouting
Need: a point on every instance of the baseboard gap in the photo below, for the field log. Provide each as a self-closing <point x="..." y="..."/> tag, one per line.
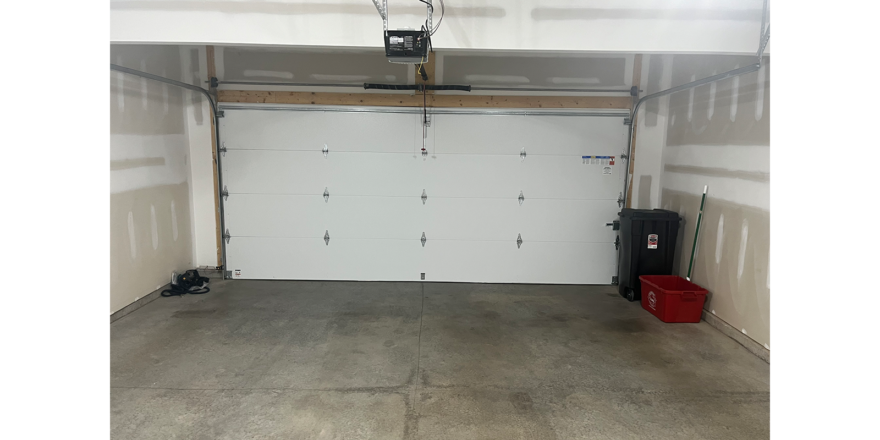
<point x="140" y="302"/>
<point x="730" y="331"/>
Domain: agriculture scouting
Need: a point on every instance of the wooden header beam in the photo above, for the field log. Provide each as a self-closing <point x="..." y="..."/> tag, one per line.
<point x="406" y="100"/>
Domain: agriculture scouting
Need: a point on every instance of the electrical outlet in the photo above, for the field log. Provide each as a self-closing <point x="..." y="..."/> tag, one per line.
<point x="423" y="275"/>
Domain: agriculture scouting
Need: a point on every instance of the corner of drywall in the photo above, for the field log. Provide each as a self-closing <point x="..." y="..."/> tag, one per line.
<point x="150" y="212"/>
<point x="726" y="147"/>
<point x="198" y="128"/>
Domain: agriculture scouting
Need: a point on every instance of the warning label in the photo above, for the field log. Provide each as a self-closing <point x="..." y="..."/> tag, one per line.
<point x="606" y="170"/>
<point x="236" y="273"/>
<point x="652" y="241"/>
<point x="598" y="160"/>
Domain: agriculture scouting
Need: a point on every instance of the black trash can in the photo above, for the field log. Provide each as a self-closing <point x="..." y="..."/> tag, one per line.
<point x="647" y="238"/>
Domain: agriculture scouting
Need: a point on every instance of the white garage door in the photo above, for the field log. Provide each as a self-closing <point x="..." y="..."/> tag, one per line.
<point x="276" y="174"/>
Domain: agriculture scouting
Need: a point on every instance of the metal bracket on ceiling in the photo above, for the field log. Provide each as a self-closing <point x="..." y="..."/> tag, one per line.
<point x="424" y="197"/>
<point x="518" y="240"/>
<point x="424" y="239"/>
<point x="327" y="237"/>
<point x="225" y="193"/>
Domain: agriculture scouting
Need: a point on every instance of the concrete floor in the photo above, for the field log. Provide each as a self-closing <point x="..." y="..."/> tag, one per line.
<point x="357" y="360"/>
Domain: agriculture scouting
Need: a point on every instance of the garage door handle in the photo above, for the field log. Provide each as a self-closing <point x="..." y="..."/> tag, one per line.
<point x="615" y="225"/>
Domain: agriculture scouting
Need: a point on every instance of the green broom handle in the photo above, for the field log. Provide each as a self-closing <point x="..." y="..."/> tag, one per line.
<point x="697" y="232"/>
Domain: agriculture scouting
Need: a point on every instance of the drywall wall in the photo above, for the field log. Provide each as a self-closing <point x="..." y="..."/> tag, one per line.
<point x="198" y="115"/>
<point x="150" y="195"/>
<point x="356" y="67"/>
<point x="650" y="135"/>
<point x="716" y="135"/>
<point x="642" y="26"/>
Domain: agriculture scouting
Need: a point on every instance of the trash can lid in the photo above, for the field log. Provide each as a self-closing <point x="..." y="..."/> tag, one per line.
<point x="650" y="214"/>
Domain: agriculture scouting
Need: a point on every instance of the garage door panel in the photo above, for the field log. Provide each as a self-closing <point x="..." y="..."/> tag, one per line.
<point x="568" y="263"/>
<point x="569" y="177"/>
<point x="544" y="135"/>
<point x="307" y="130"/>
<point x="308" y="259"/>
<point x="285" y="172"/>
<point x="473" y="176"/>
<point x="568" y="220"/>
<point x="534" y="262"/>
<point x="261" y="215"/>
<point x="474" y="219"/>
<point x="473" y="261"/>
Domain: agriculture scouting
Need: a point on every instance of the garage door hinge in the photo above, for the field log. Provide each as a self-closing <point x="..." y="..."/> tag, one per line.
<point x="424" y="239"/>
<point x="325" y="150"/>
<point x="327" y="237"/>
<point x="620" y="200"/>
<point x="226" y="236"/>
<point x="518" y="240"/>
<point x="617" y="242"/>
<point x="223" y="149"/>
<point x="521" y="198"/>
<point x="424" y="197"/>
<point x="624" y="156"/>
<point x="326" y="195"/>
<point x="225" y="193"/>
<point x="522" y="154"/>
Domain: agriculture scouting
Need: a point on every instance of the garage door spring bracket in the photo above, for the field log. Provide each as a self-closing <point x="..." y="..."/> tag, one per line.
<point x="424" y="239"/>
<point x="327" y="237"/>
<point x="518" y="240"/>
<point x="424" y="197"/>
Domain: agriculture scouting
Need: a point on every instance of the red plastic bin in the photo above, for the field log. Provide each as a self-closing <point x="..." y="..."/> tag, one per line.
<point x="672" y="298"/>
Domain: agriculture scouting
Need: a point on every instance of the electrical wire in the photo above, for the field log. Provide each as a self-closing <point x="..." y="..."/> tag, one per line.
<point x="442" y="12"/>
<point x="176" y="290"/>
